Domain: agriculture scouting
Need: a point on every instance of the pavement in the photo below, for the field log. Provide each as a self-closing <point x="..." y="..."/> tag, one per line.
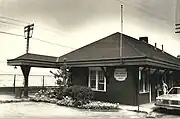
<point x="29" y="110"/>
<point x="144" y="108"/>
<point x="42" y="110"/>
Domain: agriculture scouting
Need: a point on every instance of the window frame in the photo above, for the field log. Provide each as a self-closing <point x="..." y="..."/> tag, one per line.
<point x="97" y="69"/>
<point x="144" y="81"/>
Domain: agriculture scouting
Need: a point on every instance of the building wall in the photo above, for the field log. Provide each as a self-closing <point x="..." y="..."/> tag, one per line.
<point x="143" y="98"/>
<point x="176" y="79"/>
<point x="80" y="76"/>
<point x="117" y="91"/>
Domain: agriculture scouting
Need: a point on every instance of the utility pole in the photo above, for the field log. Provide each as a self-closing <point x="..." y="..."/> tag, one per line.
<point x="177" y="17"/>
<point x="28" y="31"/>
<point x="120" y="49"/>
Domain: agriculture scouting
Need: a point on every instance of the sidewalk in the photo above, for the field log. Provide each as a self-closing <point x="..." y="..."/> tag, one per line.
<point x="145" y="108"/>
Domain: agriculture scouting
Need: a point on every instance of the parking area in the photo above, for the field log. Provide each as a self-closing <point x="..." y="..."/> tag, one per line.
<point x="47" y="111"/>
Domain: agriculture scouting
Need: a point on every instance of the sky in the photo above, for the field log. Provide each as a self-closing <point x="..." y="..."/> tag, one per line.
<point x="75" y="23"/>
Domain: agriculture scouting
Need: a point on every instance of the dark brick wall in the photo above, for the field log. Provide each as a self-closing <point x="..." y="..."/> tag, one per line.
<point x="80" y="76"/>
<point x="176" y="79"/>
<point x="117" y="91"/>
<point x="123" y="91"/>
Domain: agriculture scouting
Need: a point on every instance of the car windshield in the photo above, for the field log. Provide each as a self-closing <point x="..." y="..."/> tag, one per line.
<point x="174" y="91"/>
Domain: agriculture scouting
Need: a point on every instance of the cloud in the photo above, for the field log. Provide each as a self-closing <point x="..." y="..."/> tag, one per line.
<point x="86" y="21"/>
<point x="64" y="13"/>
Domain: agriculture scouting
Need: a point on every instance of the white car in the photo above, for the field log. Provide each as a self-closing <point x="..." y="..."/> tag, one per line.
<point x="171" y="100"/>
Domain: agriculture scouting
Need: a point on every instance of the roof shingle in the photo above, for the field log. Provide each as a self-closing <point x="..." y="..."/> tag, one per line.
<point x="108" y="48"/>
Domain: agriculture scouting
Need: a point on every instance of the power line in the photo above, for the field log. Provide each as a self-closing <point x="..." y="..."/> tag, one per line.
<point x="5" y="22"/>
<point x="147" y="11"/>
<point x="24" y="22"/>
<point x="8" y="33"/>
<point x="53" y="43"/>
<point x="3" y="32"/>
<point x="8" y="18"/>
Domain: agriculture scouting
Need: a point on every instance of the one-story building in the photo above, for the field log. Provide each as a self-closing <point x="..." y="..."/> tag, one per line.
<point x="131" y="78"/>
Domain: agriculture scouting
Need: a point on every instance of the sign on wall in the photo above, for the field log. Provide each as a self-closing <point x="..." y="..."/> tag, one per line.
<point x="120" y="74"/>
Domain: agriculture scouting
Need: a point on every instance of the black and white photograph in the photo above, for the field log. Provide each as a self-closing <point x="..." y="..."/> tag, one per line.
<point x="89" y="59"/>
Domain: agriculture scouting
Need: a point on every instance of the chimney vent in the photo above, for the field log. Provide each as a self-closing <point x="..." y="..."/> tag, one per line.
<point x="143" y="39"/>
<point x="162" y="49"/>
<point x="155" y="46"/>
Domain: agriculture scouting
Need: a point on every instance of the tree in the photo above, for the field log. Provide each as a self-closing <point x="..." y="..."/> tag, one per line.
<point x="62" y="75"/>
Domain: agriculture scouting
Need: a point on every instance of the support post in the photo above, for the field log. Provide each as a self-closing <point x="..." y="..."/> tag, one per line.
<point x="43" y="83"/>
<point x="14" y="83"/>
<point x="25" y="70"/>
<point x="137" y="90"/>
<point x="149" y="79"/>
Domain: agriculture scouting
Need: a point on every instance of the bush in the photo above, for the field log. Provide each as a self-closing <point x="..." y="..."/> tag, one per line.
<point x="51" y="93"/>
<point x="66" y="101"/>
<point x="80" y="94"/>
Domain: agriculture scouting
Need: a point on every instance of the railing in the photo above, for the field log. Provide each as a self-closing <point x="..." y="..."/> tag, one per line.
<point x="16" y="80"/>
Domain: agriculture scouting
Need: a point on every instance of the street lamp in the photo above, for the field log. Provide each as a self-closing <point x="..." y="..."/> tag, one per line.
<point x="15" y="67"/>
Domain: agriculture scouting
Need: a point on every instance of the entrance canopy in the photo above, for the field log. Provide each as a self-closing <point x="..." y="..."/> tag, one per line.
<point x="27" y="61"/>
<point x="34" y="60"/>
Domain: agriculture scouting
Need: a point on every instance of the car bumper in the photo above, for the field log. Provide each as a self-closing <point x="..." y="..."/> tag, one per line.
<point x="170" y="107"/>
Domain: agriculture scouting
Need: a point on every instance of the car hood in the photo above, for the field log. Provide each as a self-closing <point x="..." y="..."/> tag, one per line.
<point x="169" y="97"/>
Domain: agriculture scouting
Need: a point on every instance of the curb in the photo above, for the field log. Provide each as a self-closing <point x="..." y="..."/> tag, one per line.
<point x="14" y="101"/>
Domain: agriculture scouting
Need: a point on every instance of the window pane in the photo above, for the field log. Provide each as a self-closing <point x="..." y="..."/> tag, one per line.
<point x="100" y="77"/>
<point x="141" y="85"/>
<point x="100" y="86"/>
<point x="93" y="75"/>
<point x="93" y="79"/>
<point x="147" y="85"/>
<point x="141" y="82"/>
<point x="146" y="82"/>
<point x="93" y="83"/>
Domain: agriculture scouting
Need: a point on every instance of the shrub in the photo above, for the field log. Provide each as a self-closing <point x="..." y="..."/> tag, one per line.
<point x="80" y="94"/>
<point x="66" y="101"/>
<point x="77" y="95"/>
<point x="51" y="93"/>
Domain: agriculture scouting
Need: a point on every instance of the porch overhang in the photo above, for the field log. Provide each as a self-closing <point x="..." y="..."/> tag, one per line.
<point x="34" y="60"/>
<point x="32" y="63"/>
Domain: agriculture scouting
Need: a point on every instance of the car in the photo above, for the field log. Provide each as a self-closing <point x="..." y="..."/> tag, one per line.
<point x="171" y="100"/>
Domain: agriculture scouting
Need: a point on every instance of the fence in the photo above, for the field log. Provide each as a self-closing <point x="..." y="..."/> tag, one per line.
<point x="11" y="80"/>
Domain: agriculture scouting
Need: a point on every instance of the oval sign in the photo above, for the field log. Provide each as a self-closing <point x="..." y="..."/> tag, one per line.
<point x="120" y="74"/>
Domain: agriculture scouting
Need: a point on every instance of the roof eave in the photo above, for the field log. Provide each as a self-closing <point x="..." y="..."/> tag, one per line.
<point x="125" y="62"/>
<point x="32" y="63"/>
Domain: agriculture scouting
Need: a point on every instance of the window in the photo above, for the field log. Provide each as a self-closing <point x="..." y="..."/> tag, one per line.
<point x="97" y="81"/>
<point x="174" y="91"/>
<point x="143" y="81"/>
